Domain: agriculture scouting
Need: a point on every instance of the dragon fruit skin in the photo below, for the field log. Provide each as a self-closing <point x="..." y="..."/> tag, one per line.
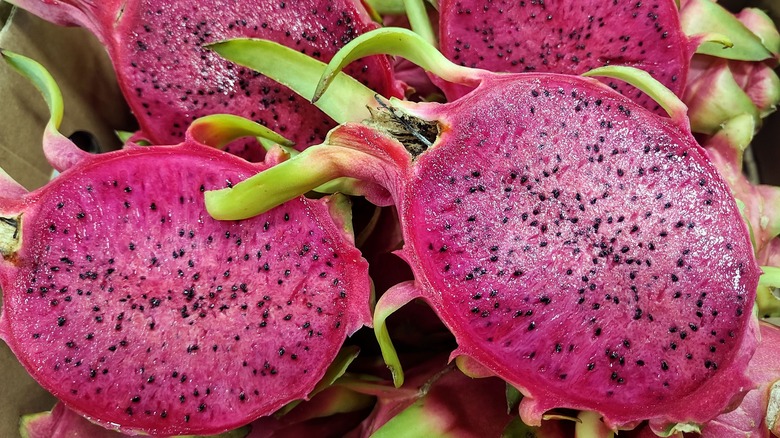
<point x="568" y="37"/>
<point x="762" y="202"/>
<point x="723" y="84"/>
<point x="169" y="78"/>
<point x="125" y="300"/>
<point x="749" y="418"/>
<point x="719" y="90"/>
<point x="62" y="422"/>
<point x="551" y="195"/>
<point x="439" y="400"/>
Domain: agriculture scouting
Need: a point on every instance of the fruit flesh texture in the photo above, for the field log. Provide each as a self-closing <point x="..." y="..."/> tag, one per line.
<point x="169" y="78"/>
<point x="585" y="243"/>
<point x="569" y="37"/>
<point x="135" y="308"/>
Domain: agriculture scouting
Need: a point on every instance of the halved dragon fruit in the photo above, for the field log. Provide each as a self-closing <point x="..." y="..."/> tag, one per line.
<point x="578" y="246"/>
<point x="571" y="37"/>
<point x="169" y="78"/>
<point x="125" y="300"/>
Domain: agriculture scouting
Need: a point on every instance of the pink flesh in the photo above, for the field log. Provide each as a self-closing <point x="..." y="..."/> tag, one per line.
<point x="170" y="79"/>
<point x="134" y="307"/>
<point x="568" y="37"/>
<point x="639" y="309"/>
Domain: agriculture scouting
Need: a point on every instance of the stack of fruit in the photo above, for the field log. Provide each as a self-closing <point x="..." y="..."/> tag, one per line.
<point x="499" y="218"/>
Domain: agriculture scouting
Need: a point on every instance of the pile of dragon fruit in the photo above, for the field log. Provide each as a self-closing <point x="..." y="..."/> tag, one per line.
<point x="491" y="218"/>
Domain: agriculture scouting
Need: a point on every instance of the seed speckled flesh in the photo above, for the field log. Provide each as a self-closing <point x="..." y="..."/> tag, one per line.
<point x="586" y="250"/>
<point x="169" y="78"/>
<point x="567" y="36"/>
<point x="133" y="306"/>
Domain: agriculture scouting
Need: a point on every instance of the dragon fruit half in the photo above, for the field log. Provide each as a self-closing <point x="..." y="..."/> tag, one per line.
<point x="170" y="79"/>
<point x="571" y="37"/>
<point x="125" y="300"/>
<point x="579" y="247"/>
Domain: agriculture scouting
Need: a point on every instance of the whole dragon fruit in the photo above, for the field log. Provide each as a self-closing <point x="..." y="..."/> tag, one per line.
<point x="724" y="84"/>
<point x="578" y="246"/>
<point x="169" y="78"/>
<point x="125" y="300"/>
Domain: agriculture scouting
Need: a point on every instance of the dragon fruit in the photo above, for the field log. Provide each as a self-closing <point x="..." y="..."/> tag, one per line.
<point x="569" y="37"/>
<point x="762" y="202"/>
<point x="332" y="412"/>
<point x="125" y="300"/>
<point x="427" y="404"/>
<point x="755" y="416"/>
<point x="62" y="422"/>
<point x="723" y="84"/>
<point x="169" y="79"/>
<point x="578" y="246"/>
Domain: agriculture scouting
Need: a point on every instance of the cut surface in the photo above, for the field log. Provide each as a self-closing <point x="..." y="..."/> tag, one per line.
<point x="586" y="251"/>
<point x="170" y="79"/>
<point x="134" y="307"/>
<point x="568" y="37"/>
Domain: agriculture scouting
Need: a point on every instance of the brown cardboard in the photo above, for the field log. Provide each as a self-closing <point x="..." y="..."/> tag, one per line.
<point x="81" y="68"/>
<point x="94" y="103"/>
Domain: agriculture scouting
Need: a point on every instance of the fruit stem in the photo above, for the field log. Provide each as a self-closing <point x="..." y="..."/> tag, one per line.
<point x="319" y="168"/>
<point x="392" y="300"/>
<point x="276" y="185"/>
